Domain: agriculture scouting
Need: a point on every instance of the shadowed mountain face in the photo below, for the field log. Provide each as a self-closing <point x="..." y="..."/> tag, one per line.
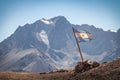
<point x="115" y="52"/>
<point x="49" y="44"/>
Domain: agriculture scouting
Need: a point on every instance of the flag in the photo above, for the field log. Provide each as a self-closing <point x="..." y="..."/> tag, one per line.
<point x="83" y="36"/>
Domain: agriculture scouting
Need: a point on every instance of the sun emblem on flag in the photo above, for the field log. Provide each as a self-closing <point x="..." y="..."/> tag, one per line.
<point x="83" y="35"/>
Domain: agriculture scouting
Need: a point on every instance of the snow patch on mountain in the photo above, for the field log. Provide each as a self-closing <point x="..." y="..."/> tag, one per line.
<point x="42" y="36"/>
<point x="112" y="30"/>
<point x="46" y="21"/>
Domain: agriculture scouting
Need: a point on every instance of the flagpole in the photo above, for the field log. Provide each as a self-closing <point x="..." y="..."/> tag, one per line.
<point x="78" y="45"/>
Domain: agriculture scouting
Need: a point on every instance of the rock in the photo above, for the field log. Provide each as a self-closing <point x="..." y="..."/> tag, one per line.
<point x="95" y="64"/>
<point x="85" y="66"/>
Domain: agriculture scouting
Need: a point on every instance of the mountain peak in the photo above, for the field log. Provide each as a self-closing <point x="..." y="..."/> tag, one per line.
<point x="54" y="20"/>
<point x="59" y="19"/>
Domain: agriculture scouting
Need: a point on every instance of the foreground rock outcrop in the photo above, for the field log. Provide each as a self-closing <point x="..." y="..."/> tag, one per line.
<point x="85" y="66"/>
<point x="106" y="71"/>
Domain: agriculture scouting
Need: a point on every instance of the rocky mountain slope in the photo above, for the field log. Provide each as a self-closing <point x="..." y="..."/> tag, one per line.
<point x="49" y="44"/>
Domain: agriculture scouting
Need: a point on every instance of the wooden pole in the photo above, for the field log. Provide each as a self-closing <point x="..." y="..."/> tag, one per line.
<point x="78" y="45"/>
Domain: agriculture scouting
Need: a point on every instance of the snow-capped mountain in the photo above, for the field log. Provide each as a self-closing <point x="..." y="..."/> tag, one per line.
<point x="49" y="44"/>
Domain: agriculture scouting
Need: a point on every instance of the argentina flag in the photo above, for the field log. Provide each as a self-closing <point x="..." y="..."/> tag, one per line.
<point x="83" y="36"/>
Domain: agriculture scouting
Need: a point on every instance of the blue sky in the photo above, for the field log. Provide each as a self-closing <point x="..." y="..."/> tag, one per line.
<point x="100" y="13"/>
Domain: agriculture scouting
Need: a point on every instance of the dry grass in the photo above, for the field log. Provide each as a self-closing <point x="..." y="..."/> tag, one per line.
<point x="107" y="71"/>
<point x="34" y="76"/>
